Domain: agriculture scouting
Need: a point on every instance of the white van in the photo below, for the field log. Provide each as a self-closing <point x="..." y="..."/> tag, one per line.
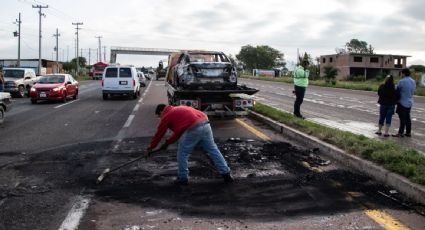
<point x="120" y="79"/>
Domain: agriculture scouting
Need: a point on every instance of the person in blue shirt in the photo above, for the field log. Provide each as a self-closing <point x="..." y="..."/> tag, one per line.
<point x="406" y="88"/>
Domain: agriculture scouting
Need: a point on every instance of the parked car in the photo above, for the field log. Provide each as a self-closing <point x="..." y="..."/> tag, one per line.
<point x="120" y="80"/>
<point x="54" y="87"/>
<point x="5" y="105"/>
<point x="18" y="81"/>
<point x="142" y="79"/>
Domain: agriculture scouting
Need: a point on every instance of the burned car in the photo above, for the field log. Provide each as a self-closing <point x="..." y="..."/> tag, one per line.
<point x="203" y="70"/>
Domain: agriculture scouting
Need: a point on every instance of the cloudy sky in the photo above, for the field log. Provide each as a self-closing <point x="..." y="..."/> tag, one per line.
<point x="317" y="27"/>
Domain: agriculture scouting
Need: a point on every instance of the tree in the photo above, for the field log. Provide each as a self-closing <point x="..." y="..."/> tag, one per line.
<point x="417" y="68"/>
<point x="260" y="57"/>
<point x="358" y="46"/>
<point x="81" y="61"/>
<point x="330" y="73"/>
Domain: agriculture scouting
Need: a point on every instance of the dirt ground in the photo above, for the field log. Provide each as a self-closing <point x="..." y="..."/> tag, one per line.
<point x="272" y="183"/>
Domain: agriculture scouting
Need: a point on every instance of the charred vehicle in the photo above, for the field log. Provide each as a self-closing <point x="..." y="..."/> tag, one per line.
<point x="207" y="80"/>
<point x="204" y="70"/>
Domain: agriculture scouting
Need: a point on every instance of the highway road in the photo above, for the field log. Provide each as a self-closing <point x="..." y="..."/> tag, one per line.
<point x="351" y="110"/>
<point x="52" y="153"/>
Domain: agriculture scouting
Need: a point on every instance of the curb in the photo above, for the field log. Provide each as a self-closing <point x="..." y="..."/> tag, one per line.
<point x="414" y="191"/>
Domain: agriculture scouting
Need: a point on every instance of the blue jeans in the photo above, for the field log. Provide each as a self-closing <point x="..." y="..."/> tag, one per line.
<point x="385" y="114"/>
<point x="200" y="134"/>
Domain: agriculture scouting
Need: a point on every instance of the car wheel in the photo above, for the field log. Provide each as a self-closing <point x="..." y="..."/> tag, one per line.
<point x="21" y="91"/>
<point x="33" y="101"/>
<point x="75" y="95"/>
<point x="105" y="96"/>
<point x="134" y="95"/>
<point x="64" y="97"/>
<point x="1" y="115"/>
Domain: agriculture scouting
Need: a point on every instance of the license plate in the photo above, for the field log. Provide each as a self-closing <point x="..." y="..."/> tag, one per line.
<point x="43" y="95"/>
<point x="123" y="82"/>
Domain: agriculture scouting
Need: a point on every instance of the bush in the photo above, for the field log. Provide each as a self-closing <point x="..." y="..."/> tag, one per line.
<point x="330" y="73"/>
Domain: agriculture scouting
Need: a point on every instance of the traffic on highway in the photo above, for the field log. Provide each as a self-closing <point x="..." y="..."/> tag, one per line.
<point x="196" y="135"/>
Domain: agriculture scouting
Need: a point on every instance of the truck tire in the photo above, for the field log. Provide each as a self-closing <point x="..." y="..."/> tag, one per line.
<point x="105" y="96"/>
<point x="21" y="91"/>
<point x="1" y="114"/>
<point x="34" y="101"/>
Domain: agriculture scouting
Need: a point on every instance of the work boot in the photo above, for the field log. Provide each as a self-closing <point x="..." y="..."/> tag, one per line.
<point x="227" y="178"/>
<point x="181" y="182"/>
<point x="379" y="132"/>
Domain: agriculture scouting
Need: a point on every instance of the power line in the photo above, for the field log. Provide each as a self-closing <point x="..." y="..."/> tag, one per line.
<point x="39" y="32"/>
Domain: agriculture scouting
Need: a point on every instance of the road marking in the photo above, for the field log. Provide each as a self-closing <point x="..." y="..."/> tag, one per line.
<point x="253" y="130"/>
<point x="121" y="133"/>
<point x="379" y="216"/>
<point x="74" y="216"/>
<point x="129" y="120"/>
<point x="66" y="104"/>
<point x="385" y="219"/>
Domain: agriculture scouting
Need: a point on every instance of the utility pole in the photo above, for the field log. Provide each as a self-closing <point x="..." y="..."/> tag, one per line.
<point x="104" y="53"/>
<point x="18" y="34"/>
<point x="100" y="47"/>
<point x="39" y="34"/>
<point x="89" y="56"/>
<point x="97" y="54"/>
<point x="57" y="49"/>
<point x="77" y="28"/>
<point x="67" y="53"/>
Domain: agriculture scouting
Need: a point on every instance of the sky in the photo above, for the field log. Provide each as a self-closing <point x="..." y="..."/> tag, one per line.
<point x="315" y="27"/>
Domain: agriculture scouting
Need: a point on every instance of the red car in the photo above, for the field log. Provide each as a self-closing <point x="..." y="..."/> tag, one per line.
<point x="54" y="87"/>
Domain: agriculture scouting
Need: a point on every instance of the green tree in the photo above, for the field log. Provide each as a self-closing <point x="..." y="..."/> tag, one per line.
<point x="260" y="57"/>
<point x="358" y="46"/>
<point x="330" y="73"/>
<point x="417" y="68"/>
<point x="81" y="61"/>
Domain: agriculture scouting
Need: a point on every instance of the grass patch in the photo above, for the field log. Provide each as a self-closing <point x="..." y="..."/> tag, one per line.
<point x="371" y="85"/>
<point x="407" y="162"/>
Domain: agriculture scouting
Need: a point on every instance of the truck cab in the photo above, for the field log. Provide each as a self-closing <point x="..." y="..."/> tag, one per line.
<point x="18" y="81"/>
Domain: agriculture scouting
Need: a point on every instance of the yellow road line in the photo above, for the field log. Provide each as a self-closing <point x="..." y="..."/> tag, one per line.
<point x="253" y="130"/>
<point x="382" y="218"/>
<point x="379" y="216"/>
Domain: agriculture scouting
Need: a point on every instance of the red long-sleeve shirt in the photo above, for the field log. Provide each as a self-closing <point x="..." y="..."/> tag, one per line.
<point x="178" y="119"/>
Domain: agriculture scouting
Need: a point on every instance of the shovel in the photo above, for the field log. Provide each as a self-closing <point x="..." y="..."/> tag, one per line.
<point x="109" y="170"/>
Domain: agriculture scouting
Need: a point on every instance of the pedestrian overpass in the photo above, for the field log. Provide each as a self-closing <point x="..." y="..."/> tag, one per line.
<point x="115" y="50"/>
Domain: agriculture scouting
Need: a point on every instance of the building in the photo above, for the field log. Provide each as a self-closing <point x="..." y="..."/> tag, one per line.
<point x="365" y="65"/>
<point x="48" y="66"/>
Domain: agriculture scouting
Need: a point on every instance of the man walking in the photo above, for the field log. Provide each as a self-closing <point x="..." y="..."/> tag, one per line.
<point x="406" y="87"/>
<point x="301" y="74"/>
<point x="190" y="127"/>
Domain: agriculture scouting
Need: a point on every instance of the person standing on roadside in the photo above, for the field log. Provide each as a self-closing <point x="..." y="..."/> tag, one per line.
<point x="388" y="97"/>
<point x="1" y="81"/>
<point x="190" y="127"/>
<point x="406" y="88"/>
<point x="301" y="74"/>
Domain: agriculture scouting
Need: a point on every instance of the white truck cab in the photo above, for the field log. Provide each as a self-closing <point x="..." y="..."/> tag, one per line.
<point x="120" y="80"/>
<point x="18" y="81"/>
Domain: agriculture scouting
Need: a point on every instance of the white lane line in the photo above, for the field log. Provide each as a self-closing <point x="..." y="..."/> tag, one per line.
<point x="129" y="120"/>
<point x="66" y="104"/>
<point x="136" y="107"/>
<point x="74" y="216"/>
<point x="121" y="134"/>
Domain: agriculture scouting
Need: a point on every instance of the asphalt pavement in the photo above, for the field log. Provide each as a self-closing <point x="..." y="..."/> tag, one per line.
<point x="350" y="110"/>
<point x="52" y="153"/>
